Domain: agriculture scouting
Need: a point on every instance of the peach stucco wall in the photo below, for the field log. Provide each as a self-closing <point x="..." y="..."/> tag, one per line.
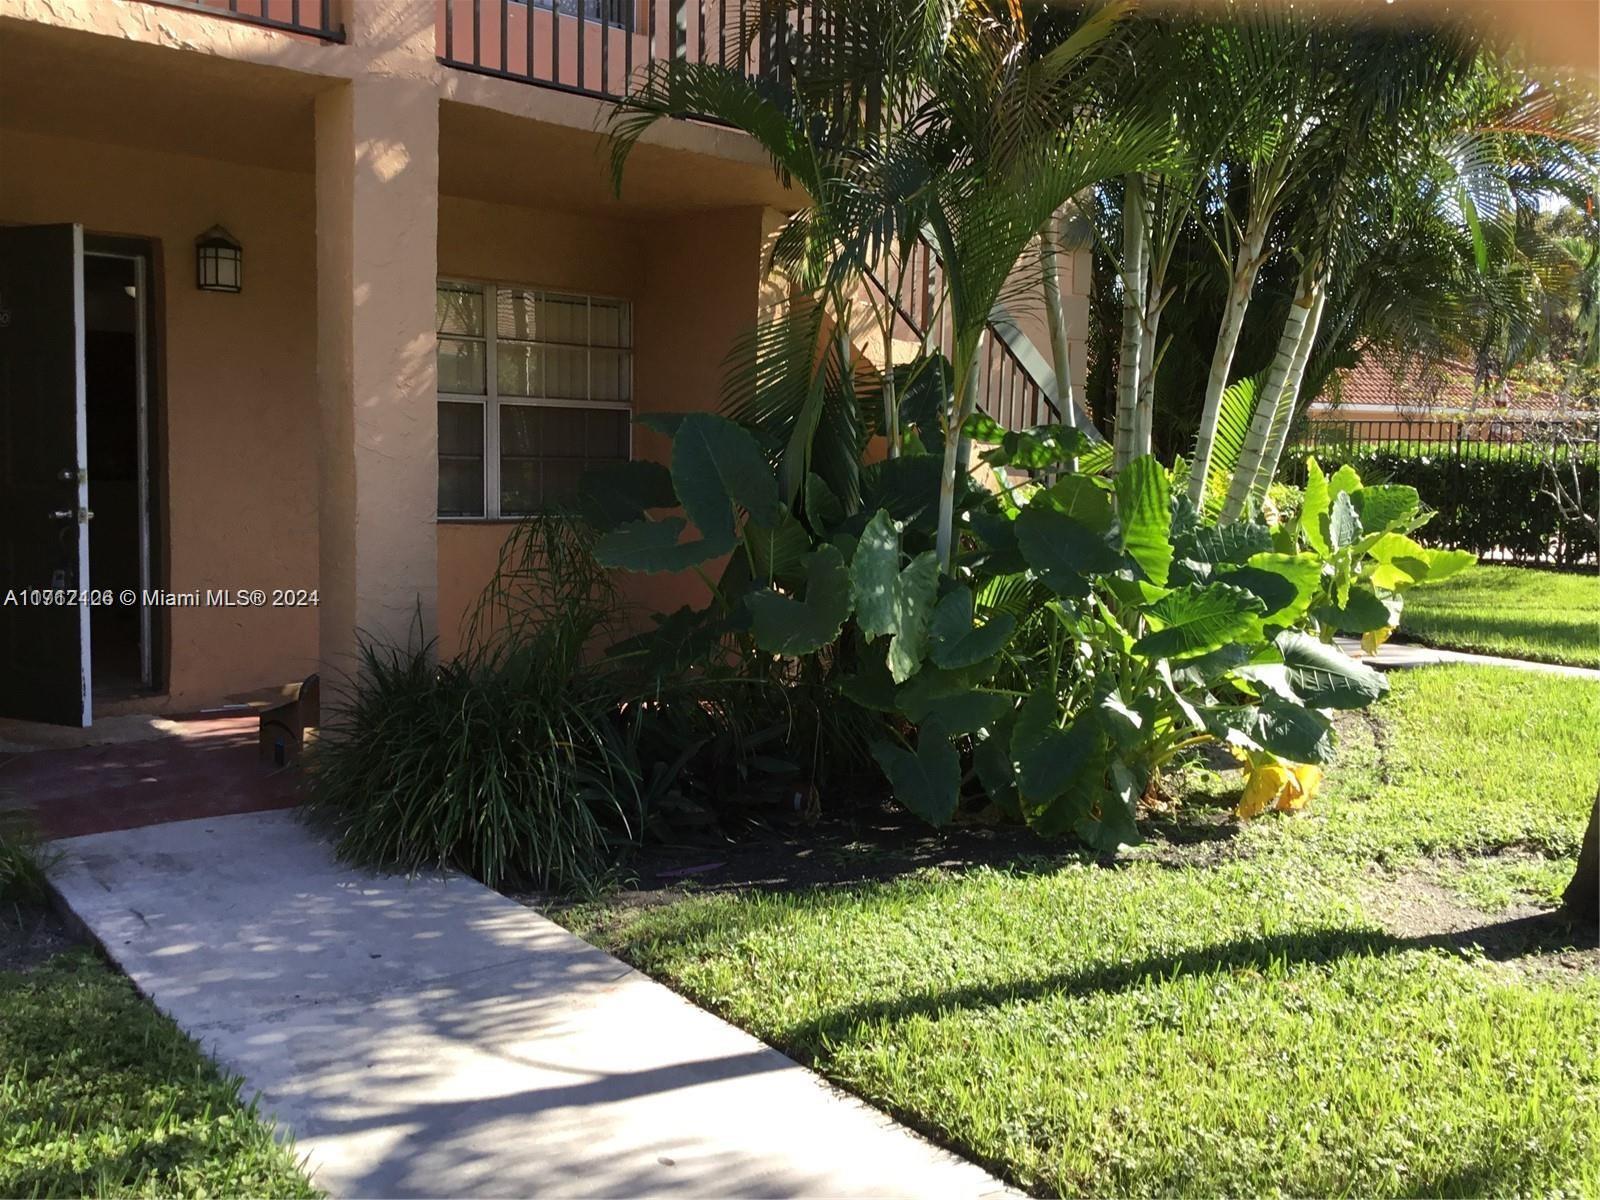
<point x="377" y="189"/>
<point x="694" y="281"/>
<point x="239" y="373"/>
<point x="299" y="424"/>
<point x="505" y="244"/>
<point x="239" y="465"/>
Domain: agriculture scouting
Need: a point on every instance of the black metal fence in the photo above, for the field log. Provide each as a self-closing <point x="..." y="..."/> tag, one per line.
<point x="1493" y="483"/>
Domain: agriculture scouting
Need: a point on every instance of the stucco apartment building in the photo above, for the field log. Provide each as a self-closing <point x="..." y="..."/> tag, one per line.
<point x="318" y="296"/>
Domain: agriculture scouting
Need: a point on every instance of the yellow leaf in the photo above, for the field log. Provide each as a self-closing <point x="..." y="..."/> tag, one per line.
<point x="1261" y="787"/>
<point x="1373" y="638"/>
<point x="1310" y="777"/>
<point x="1292" y="798"/>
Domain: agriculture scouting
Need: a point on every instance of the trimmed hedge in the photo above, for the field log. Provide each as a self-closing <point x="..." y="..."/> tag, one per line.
<point x="1492" y="504"/>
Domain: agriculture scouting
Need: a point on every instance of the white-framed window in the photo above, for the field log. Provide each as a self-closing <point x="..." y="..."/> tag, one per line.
<point x="535" y="387"/>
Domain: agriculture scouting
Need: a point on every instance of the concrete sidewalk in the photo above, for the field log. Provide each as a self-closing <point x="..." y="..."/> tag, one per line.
<point x="1409" y="654"/>
<point x="432" y="1038"/>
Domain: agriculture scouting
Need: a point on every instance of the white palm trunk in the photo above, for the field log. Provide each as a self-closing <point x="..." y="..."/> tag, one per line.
<point x="1279" y="437"/>
<point x="1247" y="262"/>
<point x="1135" y="254"/>
<point x="1055" y="315"/>
<point x="966" y="403"/>
<point x="1145" y="409"/>
<point x="1281" y="382"/>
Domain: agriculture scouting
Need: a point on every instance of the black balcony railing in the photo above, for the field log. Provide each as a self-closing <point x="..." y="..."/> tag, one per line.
<point x="598" y="47"/>
<point x="314" y="18"/>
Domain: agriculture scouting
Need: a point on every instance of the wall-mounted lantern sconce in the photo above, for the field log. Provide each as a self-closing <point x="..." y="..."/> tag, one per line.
<point x="218" y="261"/>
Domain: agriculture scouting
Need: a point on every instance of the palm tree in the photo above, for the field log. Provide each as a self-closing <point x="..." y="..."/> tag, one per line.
<point x="1294" y="61"/>
<point x="1438" y="120"/>
<point x="1386" y="92"/>
<point x="976" y="123"/>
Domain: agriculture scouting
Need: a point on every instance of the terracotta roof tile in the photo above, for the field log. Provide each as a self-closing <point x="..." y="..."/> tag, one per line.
<point x="1373" y="388"/>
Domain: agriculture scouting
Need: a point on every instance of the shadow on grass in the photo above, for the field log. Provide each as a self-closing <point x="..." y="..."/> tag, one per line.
<point x="1498" y="941"/>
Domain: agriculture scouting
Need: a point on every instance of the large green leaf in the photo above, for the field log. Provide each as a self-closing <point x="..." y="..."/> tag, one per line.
<point x="1279" y="726"/>
<point x="1191" y="621"/>
<point x="1276" y="593"/>
<point x="872" y="686"/>
<point x="823" y="509"/>
<point x="1144" y="509"/>
<point x="892" y="601"/>
<point x="1060" y="771"/>
<point x="918" y="696"/>
<point x="927" y="780"/>
<point x="1314" y="504"/>
<point x="1292" y="731"/>
<point x="1084" y="498"/>
<point x="1301" y="574"/>
<point x="1401" y="561"/>
<point x="1061" y="550"/>
<point x="613" y="494"/>
<point x="991" y="760"/>
<point x="1111" y="822"/>
<point x="952" y="640"/>
<point x="1345" y="479"/>
<point x="1037" y="449"/>
<point x="1344" y="525"/>
<point x="653" y="546"/>
<point x="1070" y="782"/>
<point x="1324" y="676"/>
<point x="1444" y="563"/>
<point x="907" y="487"/>
<point x="1387" y="506"/>
<point x="778" y="553"/>
<point x="1392" y="546"/>
<point x="1362" y="612"/>
<point x="919" y="586"/>
<point x="784" y="625"/>
<point x="717" y="465"/>
<point x="1234" y="542"/>
<point x="968" y="711"/>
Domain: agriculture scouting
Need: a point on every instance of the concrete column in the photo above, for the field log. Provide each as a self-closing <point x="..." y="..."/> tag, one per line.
<point x="377" y="183"/>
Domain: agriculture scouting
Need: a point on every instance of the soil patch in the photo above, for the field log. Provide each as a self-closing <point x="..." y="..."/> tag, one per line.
<point x="30" y="937"/>
<point x="865" y="845"/>
<point x="1537" y="941"/>
<point x="862" y="845"/>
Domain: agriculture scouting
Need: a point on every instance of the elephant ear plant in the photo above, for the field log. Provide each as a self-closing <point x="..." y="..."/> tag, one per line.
<point x="1089" y="629"/>
<point x="1360" y="536"/>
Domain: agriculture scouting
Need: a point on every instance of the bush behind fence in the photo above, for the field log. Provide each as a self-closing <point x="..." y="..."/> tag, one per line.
<point x="1489" y="481"/>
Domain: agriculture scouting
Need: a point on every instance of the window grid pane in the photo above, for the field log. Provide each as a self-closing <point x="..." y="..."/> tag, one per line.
<point x="544" y="451"/>
<point x="565" y="349"/>
<point x="461" y="459"/>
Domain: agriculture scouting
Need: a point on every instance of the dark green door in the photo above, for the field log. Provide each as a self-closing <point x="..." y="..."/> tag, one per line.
<point x="44" y="530"/>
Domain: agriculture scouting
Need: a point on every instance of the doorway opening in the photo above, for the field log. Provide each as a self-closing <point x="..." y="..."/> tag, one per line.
<point x="116" y="327"/>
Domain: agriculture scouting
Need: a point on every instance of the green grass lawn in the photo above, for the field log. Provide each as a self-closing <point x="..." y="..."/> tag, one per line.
<point x="1552" y="616"/>
<point x="1276" y="1011"/>
<point x="100" y="1095"/>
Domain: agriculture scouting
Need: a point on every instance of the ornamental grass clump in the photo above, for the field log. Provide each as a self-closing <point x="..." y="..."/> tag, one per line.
<point x="507" y="762"/>
<point x="24" y="862"/>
